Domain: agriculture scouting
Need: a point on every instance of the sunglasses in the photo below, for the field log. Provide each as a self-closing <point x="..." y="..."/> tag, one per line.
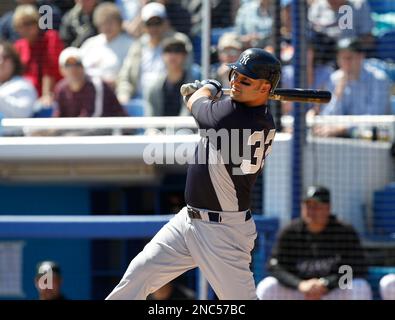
<point x="231" y="52"/>
<point x="154" y="22"/>
<point x="175" y="50"/>
<point x="73" y="64"/>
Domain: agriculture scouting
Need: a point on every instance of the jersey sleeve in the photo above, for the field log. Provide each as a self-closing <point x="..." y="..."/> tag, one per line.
<point x="209" y="114"/>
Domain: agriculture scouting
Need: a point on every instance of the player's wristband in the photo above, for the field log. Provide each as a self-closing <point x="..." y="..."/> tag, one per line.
<point x="213" y="89"/>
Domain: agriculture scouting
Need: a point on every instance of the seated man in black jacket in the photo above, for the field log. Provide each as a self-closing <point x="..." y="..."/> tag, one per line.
<point x="48" y="281"/>
<point x="316" y="257"/>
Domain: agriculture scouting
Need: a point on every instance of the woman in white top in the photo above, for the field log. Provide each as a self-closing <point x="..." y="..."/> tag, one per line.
<point x="17" y="95"/>
<point x="104" y="54"/>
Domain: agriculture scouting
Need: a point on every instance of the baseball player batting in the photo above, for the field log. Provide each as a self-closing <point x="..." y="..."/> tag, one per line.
<point x="215" y="231"/>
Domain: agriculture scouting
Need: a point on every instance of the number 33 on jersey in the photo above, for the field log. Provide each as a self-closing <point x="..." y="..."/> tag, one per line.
<point x="261" y="143"/>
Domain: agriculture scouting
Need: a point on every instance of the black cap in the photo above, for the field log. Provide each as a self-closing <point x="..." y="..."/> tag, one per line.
<point x="351" y="44"/>
<point x="45" y="266"/>
<point x="318" y="193"/>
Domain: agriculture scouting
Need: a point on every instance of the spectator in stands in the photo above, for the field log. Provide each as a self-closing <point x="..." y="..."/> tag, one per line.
<point x="319" y="66"/>
<point x="179" y="17"/>
<point x="254" y="23"/>
<point x="308" y="255"/>
<point x="77" y="24"/>
<point x="320" y="63"/>
<point x="357" y="88"/>
<point x="111" y="42"/>
<point x="286" y="19"/>
<point x="387" y="287"/>
<point x="222" y="14"/>
<point x="48" y="281"/>
<point x="63" y="5"/>
<point x="286" y="47"/>
<point x="163" y="96"/>
<point x="17" y="95"/>
<point x="130" y="10"/>
<point x="229" y="49"/>
<point x="39" y="52"/>
<point x="144" y="61"/>
<point x="326" y="16"/>
<point x="172" y="291"/>
<point x="77" y="95"/>
<point x="7" y="30"/>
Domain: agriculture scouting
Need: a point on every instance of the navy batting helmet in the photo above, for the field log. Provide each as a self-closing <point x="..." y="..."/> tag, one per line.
<point x="257" y="63"/>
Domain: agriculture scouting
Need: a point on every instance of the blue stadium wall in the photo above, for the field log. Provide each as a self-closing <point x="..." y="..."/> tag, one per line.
<point x="72" y="255"/>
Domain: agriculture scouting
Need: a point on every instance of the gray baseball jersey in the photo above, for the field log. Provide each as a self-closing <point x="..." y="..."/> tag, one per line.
<point x="215" y="231"/>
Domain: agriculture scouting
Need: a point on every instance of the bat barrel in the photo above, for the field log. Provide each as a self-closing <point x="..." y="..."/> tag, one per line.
<point x="301" y="95"/>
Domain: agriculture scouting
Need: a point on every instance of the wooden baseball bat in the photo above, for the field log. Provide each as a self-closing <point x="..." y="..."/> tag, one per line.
<point x="301" y="95"/>
<point x="296" y="95"/>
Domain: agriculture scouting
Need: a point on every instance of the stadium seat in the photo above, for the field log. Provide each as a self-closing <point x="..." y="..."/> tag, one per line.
<point x="135" y="107"/>
<point x="375" y="273"/>
<point x="383" y="22"/>
<point x="382" y="6"/>
<point x="216" y="33"/>
<point x="385" y="46"/>
<point x="43" y="113"/>
<point x="384" y="210"/>
<point x="197" y="47"/>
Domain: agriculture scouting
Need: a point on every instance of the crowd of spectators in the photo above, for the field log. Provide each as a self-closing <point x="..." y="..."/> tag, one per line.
<point x="130" y="57"/>
<point x="121" y="43"/>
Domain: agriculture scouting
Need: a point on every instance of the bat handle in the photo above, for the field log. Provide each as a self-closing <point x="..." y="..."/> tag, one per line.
<point x="186" y="91"/>
<point x="226" y="91"/>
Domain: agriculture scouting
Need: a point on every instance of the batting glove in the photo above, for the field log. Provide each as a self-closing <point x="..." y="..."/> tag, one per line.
<point x="190" y="88"/>
<point x="214" y="86"/>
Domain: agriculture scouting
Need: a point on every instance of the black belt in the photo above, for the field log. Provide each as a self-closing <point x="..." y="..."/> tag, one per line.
<point x="212" y="216"/>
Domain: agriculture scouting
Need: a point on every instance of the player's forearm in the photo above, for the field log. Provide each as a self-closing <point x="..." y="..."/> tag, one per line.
<point x="203" y="92"/>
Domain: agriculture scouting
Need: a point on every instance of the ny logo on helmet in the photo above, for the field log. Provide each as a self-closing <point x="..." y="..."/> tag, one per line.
<point x="244" y="59"/>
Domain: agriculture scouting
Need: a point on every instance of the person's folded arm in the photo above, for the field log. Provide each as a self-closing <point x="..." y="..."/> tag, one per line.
<point x="284" y="276"/>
